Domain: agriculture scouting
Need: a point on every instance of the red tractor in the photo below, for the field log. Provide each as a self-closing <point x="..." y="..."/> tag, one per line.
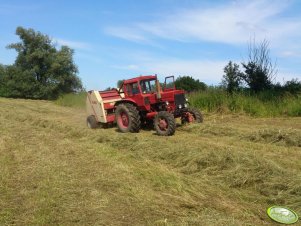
<point x="139" y="101"/>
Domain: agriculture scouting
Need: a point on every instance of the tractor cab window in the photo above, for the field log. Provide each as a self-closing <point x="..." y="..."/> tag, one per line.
<point x="148" y="86"/>
<point x="132" y="88"/>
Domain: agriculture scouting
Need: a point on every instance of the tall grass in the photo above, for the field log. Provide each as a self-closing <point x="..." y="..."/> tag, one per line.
<point x="72" y="100"/>
<point x="264" y="104"/>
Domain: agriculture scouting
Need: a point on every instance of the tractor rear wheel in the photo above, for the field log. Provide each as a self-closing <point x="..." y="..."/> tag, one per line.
<point x="127" y="118"/>
<point x="192" y="115"/>
<point x="91" y="122"/>
<point x="165" y="124"/>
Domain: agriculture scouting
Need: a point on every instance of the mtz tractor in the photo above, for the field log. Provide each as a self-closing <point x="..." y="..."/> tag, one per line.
<point x="140" y="101"/>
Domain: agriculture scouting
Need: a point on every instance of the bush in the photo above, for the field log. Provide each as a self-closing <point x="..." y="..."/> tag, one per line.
<point x="189" y="84"/>
<point x="72" y="100"/>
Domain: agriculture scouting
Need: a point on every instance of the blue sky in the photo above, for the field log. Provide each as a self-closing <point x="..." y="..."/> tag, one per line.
<point x="118" y="39"/>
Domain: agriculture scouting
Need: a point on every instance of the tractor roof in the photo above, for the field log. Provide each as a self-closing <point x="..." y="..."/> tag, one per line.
<point x="140" y="78"/>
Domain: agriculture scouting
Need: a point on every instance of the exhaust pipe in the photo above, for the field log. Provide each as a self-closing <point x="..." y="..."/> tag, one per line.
<point x="158" y="89"/>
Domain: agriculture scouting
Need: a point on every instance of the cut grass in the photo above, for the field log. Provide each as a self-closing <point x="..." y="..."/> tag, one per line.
<point x="226" y="171"/>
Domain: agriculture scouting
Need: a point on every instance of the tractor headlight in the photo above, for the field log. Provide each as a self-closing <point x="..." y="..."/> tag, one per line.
<point x="186" y="99"/>
<point x="180" y="106"/>
<point x="185" y="105"/>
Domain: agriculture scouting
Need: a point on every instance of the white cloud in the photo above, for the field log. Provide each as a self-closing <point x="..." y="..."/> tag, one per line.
<point x="208" y="71"/>
<point x="229" y="23"/>
<point x="126" y="33"/>
<point x="290" y="53"/>
<point x="283" y="78"/>
<point x="73" y="44"/>
<point x="130" y="67"/>
<point x="131" y="34"/>
<point x="133" y="67"/>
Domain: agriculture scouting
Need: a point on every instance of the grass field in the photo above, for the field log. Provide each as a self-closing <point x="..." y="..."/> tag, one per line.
<point x="226" y="171"/>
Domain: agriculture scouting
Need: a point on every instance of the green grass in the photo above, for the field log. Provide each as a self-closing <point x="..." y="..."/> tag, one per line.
<point x="218" y="101"/>
<point x="260" y="105"/>
<point x="225" y="171"/>
<point x="77" y="100"/>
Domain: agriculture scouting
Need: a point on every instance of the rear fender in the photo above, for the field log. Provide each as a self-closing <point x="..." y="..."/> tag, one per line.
<point x="125" y="101"/>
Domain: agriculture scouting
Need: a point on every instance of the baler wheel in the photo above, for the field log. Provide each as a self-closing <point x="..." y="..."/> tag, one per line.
<point x="91" y="122"/>
<point x="164" y="123"/>
<point x="127" y="118"/>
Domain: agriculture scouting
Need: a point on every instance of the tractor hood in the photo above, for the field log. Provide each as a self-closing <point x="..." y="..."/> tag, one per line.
<point x="174" y="97"/>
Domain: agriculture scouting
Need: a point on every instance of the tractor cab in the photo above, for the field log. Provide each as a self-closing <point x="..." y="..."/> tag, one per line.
<point x="148" y="94"/>
<point x="140" y="91"/>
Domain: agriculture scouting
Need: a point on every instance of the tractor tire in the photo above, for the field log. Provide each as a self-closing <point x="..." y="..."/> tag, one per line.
<point x="164" y="123"/>
<point x="91" y="122"/>
<point x="197" y="115"/>
<point x="127" y="118"/>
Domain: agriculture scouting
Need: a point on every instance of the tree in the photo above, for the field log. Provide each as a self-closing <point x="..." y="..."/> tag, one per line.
<point x="40" y="70"/>
<point x="2" y="70"/>
<point x="259" y="70"/>
<point x="18" y="83"/>
<point x="119" y="83"/>
<point x="2" y="76"/>
<point x="293" y="86"/>
<point x="232" y="77"/>
<point x="189" y="84"/>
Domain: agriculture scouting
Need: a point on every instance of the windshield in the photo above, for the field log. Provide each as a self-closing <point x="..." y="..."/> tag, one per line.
<point x="148" y="86"/>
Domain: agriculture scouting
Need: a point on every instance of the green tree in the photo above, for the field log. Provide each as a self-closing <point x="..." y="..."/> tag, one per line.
<point x="17" y="83"/>
<point x="40" y="70"/>
<point x="2" y="70"/>
<point x="293" y="86"/>
<point x="232" y="77"/>
<point x="119" y="83"/>
<point x="259" y="70"/>
<point x="2" y="76"/>
<point x="189" y="84"/>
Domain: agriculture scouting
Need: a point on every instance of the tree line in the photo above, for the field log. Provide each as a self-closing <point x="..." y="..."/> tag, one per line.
<point x="40" y="71"/>
<point x="256" y="75"/>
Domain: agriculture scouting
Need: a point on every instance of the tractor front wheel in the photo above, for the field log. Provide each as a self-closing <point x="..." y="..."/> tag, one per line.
<point x="165" y="124"/>
<point x="192" y="115"/>
<point x="127" y="118"/>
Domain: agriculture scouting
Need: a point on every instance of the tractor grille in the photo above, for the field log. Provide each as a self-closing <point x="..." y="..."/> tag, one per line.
<point x="180" y="99"/>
